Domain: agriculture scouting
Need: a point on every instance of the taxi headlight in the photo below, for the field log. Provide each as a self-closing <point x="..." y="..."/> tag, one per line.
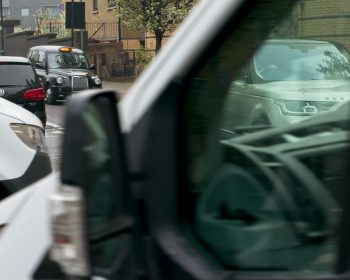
<point x="96" y="80"/>
<point x="32" y="136"/>
<point x="59" y="80"/>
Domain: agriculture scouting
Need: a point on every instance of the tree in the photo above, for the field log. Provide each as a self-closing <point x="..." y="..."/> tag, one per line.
<point x="41" y="17"/>
<point x="157" y="16"/>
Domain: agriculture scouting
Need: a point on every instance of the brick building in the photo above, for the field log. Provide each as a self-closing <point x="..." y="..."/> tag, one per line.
<point x="318" y="19"/>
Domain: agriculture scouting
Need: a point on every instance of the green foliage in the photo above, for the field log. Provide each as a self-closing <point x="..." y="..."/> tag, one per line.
<point x="157" y="16"/>
<point x="143" y="58"/>
<point x="42" y="20"/>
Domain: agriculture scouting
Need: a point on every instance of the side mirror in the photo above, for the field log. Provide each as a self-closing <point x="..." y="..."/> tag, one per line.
<point x="92" y="67"/>
<point x="90" y="204"/>
<point x="39" y="65"/>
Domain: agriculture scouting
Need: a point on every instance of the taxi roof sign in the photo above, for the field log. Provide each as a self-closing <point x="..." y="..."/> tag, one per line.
<point x="65" y="49"/>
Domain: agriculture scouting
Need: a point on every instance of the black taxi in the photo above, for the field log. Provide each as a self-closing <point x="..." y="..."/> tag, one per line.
<point x="63" y="71"/>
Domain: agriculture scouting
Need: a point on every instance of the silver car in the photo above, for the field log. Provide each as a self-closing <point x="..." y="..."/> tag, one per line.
<point x="287" y="81"/>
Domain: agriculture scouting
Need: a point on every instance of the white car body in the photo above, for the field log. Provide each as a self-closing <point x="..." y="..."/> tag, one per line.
<point x="13" y="147"/>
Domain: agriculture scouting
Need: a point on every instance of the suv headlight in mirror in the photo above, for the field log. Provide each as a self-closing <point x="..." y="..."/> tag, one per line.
<point x="298" y="107"/>
<point x="32" y="136"/>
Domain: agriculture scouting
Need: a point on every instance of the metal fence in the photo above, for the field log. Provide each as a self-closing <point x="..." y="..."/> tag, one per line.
<point x="104" y="30"/>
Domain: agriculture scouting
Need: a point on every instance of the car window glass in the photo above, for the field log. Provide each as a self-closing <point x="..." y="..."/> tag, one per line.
<point x="67" y="60"/>
<point x="266" y="162"/>
<point x="300" y="61"/>
<point x="41" y="57"/>
<point x="17" y="75"/>
<point x="34" y="57"/>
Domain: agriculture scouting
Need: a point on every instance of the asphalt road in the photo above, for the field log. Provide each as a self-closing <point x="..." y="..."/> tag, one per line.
<point x="55" y="123"/>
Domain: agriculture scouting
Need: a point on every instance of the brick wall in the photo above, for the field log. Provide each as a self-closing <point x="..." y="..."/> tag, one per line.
<point x="104" y="12"/>
<point x="324" y="20"/>
<point x="102" y="24"/>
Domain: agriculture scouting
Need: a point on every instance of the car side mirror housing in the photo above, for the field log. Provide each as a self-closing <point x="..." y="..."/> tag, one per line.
<point x="39" y="65"/>
<point x="92" y="67"/>
<point x="92" y="170"/>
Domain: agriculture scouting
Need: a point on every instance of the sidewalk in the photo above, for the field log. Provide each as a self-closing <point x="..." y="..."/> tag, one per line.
<point x="120" y="87"/>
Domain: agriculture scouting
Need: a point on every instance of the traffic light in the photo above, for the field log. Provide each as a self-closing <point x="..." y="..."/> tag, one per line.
<point x="75" y="15"/>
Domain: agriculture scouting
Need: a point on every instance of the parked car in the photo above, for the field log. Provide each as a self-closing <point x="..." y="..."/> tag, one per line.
<point x="288" y="80"/>
<point x="63" y="70"/>
<point x="24" y="158"/>
<point x="20" y="84"/>
<point x="149" y="190"/>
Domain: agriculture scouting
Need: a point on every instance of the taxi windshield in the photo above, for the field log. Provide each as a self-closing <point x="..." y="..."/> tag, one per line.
<point x="67" y="60"/>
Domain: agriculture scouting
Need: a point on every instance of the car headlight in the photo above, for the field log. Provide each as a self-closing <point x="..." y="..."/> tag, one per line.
<point x="298" y="107"/>
<point x="32" y="136"/>
<point x="59" y="80"/>
<point x="96" y="80"/>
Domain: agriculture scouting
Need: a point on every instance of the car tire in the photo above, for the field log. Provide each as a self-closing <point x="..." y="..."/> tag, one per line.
<point x="49" y="96"/>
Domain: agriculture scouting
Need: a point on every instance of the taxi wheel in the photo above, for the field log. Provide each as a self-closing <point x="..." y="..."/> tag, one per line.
<point x="49" y="96"/>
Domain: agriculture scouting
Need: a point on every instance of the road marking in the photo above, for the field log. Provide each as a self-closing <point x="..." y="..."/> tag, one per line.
<point x="53" y="125"/>
<point x="57" y="132"/>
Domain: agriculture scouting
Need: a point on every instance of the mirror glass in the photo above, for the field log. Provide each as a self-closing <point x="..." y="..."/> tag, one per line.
<point x="97" y="158"/>
<point x="102" y="180"/>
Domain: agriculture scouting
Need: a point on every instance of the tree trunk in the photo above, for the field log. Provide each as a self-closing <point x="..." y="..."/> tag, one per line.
<point x="159" y="37"/>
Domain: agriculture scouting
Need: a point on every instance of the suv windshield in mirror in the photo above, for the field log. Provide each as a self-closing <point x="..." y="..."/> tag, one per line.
<point x="67" y="60"/>
<point x="300" y="62"/>
<point x="16" y="74"/>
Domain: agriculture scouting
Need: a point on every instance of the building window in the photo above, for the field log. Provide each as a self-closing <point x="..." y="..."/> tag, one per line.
<point x="5" y="11"/>
<point x="95" y="5"/>
<point x="5" y="8"/>
<point x="25" y="12"/>
<point x="52" y="11"/>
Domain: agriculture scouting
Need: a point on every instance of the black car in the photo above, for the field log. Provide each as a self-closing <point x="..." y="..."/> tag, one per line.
<point x="64" y="70"/>
<point x="20" y="84"/>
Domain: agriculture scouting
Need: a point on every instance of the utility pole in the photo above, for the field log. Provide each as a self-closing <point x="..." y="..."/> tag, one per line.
<point x="81" y="36"/>
<point x="2" y="30"/>
<point x="119" y="25"/>
<point x="72" y="21"/>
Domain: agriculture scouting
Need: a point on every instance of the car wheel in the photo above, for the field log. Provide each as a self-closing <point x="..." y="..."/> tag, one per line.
<point x="49" y="96"/>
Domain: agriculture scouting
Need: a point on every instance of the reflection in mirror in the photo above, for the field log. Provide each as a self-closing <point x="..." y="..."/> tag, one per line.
<point x="97" y="159"/>
<point x="102" y="182"/>
<point x="267" y="159"/>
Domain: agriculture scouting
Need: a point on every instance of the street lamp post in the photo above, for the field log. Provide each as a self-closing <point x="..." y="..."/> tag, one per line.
<point x="2" y="30"/>
<point x="72" y="21"/>
<point x="81" y="36"/>
<point x="119" y="25"/>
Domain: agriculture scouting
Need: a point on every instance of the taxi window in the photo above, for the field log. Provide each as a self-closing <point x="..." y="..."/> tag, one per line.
<point x="68" y="60"/>
<point x="266" y="162"/>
